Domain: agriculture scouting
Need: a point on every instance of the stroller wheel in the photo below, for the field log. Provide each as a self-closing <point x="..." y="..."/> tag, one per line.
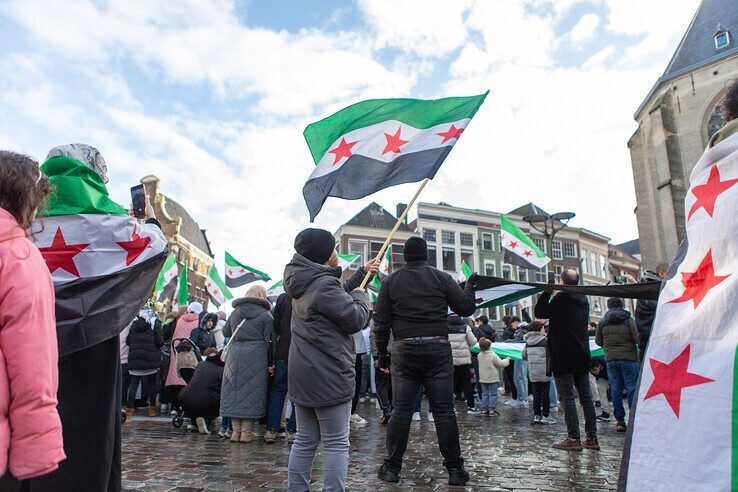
<point x="122" y="417"/>
<point x="177" y="421"/>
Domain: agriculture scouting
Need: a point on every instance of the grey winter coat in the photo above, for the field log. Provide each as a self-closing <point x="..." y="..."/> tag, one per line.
<point x="244" y="390"/>
<point x="535" y="352"/>
<point x="324" y="316"/>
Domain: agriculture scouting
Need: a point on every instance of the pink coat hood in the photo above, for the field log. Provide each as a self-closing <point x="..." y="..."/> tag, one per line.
<point x="30" y="430"/>
<point x="185" y="324"/>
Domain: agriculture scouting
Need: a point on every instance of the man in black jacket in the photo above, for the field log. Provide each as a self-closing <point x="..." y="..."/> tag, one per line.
<point x="282" y="314"/>
<point x="646" y="310"/>
<point x="568" y="346"/>
<point x="413" y="306"/>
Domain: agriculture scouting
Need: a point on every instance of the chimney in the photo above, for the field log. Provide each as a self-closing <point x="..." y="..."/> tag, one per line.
<point x="401" y="207"/>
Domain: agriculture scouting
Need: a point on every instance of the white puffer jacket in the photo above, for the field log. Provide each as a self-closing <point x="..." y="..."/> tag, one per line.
<point x="462" y="339"/>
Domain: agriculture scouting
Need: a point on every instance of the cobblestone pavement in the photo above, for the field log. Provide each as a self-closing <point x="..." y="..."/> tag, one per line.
<point x="504" y="453"/>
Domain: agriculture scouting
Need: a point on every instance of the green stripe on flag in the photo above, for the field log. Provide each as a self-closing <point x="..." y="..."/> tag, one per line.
<point x="171" y="260"/>
<point x="231" y="261"/>
<point x="414" y="112"/>
<point x="76" y="189"/>
<point x="509" y="227"/>
<point x="465" y="270"/>
<point x="183" y="295"/>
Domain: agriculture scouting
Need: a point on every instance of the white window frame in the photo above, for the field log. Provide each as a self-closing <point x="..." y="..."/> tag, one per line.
<point x="555" y="250"/>
<point x="435" y="234"/>
<point x="502" y="271"/>
<point x="450" y="250"/>
<point x="364" y="252"/>
<point x="542" y="245"/>
<point x="523" y="270"/>
<point x="461" y="258"/>
<point x="574" y="249"/>
<point x="491" y="241"/>
<point x="466" y="234"/>
<point x="719" y="36"/>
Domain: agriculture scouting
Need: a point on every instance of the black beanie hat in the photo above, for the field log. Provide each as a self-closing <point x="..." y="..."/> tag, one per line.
<point x="316" y="245"/>
<point x="416" y="249"/>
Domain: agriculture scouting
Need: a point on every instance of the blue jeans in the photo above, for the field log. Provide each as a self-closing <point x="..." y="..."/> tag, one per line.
<point x="553" y="395"/>
<point x="276" y="399"/>
<point x="489" y="396"/>
<point x="623" y="374"/>
<point x="520" y="378"/>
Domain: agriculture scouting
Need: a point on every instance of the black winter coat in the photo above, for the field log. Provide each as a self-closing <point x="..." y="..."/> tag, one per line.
<point x="282" y="318"/>
<point x="568" y="342"/>
<point x="645" y="313"/>
<point x="144" y="344"/>
<point x="201" y="397"/>
<point x="485" y="331"/>
<point x="414" y="302"/>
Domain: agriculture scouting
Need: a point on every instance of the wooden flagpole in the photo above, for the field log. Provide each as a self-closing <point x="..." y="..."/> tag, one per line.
<point x="387" y="242"/>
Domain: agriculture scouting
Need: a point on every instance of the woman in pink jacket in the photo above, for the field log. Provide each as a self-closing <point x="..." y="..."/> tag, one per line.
<point x="185" y="324"/>
<point x="30" y="430"/>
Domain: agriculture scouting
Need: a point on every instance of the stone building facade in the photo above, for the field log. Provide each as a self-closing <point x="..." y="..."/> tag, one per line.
<point x="187" y="240"/>
<point x="675" y="122"/>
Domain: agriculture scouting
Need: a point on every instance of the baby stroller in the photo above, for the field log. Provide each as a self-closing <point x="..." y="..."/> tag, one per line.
<point x="186" y="358"/>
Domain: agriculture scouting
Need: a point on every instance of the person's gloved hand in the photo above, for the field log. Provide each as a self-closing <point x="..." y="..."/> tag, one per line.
<point x="383" y="361"/>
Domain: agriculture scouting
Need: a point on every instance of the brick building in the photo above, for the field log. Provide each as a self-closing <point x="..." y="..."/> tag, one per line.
<point x="675" y="121"/>
<point x="187" y="240"/>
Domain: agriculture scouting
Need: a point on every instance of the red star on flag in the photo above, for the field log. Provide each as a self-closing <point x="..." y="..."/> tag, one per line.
<point x="230" y="272"/>
<point x="135" y="246"/>
<point x="61" y="255"/>
<point x="242" y="271"/>
<point x="394" y="142"/>
<point x="527" y="252"/>
<point x="209" y="284"/>
<point x="670" y="379"/>
<point x="698" y="283"/>
<point x="215" y="292"/>
<point x="513" y="244"/>
<point x="452" y="132"/>
<point x="343" y="150"/>
<point x="707" y="194"/>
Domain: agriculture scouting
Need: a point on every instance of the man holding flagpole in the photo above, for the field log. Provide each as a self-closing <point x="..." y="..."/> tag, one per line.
<point x="413" y="306"/>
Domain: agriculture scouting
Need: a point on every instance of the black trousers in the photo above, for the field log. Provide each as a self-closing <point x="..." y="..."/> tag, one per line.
<point x="359" y="368"/>
<point x="126" y="378"/>
<point x="462" y="381"/>
<point x="426" y="363"/>
<point x="148" y="390"/>
<point x="541" y="398"/>
<point x="508" y="375"/>
<point x="383" y="382"/>
<point x="89" y="406"/>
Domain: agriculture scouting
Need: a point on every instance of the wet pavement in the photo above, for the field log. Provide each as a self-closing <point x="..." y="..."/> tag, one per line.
<point x="503" y="453"/>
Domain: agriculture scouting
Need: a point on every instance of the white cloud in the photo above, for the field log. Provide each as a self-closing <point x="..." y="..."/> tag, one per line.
<point x="598" y="60"/>
<point x="585" y="29"/>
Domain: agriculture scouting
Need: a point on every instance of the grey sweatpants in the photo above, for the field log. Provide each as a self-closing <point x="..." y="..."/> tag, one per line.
<point x="329" y="425"/>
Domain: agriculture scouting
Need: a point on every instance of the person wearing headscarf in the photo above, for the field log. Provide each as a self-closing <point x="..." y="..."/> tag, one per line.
<point x="144" y="358"/>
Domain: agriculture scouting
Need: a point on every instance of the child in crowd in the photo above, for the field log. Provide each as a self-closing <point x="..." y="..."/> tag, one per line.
<point x="536" y="352"/>
<point x="489" y="375"/>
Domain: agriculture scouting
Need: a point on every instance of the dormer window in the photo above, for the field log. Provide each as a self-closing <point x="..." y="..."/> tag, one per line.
<point x="722" y="37"/>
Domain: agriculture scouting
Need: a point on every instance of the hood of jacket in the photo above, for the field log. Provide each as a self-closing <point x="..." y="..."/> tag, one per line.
<point x="9" y="228"/>
<point x="189" y="317"/>
<point x="140" y="325"/>
<point x="251" y="307"/>
<point x="210" y="316"/>
<point x="456" y="324"/>
<point x="534" y="338"/>
<point x="615" y="316"/>
<point x="650" y="276"/>
<point x="301" y="272"/>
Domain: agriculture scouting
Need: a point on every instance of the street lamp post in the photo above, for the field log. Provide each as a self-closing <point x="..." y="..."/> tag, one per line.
<point x="549" y="226"/>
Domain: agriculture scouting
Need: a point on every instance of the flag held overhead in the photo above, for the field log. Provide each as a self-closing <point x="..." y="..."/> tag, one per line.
<point x="238" y="274"/>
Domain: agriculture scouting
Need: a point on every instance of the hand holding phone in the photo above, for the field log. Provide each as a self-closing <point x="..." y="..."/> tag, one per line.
<point x="138" y="201"/>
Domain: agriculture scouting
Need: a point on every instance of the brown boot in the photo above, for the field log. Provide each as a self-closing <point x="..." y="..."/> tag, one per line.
<point x="592" y="443"/>
<point x="129" y="413"/>
<point x="235" y="436"/>
<point x="152" y="411"/>
<point x="568" y="444"/>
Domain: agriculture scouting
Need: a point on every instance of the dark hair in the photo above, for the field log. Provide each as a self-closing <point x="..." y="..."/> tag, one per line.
<point x="614" y="302"/>
<point x="514" y="319"/>
<point x="506" y="320"/>
<point x="483" y="319"/>
<point x="484" y="344"/>
<point x="23" y="190"/>
<point x="593" y="324"/>
<point x="570" y="277"/>
<point x="535" y="326"/>
<point x="730" y="101"/>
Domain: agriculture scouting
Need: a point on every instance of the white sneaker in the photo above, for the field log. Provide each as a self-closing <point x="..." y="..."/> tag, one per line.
<point x="372" y="400"/>
<point x="416" y="417"/>
<point x="518" y="404"/>
<point x="537" y="419"/>
<point x="554" y="408"/>
<point x="472" y="411"/>
<point x="362" y="400"/>
<point x="357" y="420"/>
<point x="430" y="418"/>
<point x="548" y="420"/>
<point x="511" y="402"/>
<point x="202" y="426"/>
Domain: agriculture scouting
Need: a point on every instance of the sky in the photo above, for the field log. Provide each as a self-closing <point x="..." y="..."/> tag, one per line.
<point x="212" y="97"/>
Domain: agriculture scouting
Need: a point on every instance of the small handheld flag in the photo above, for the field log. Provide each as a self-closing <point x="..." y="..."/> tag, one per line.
<point x="466" y="272"/>
<point x="166" y="283"/>
<point x="218" y="291"/>
<point x="238" y="274"/>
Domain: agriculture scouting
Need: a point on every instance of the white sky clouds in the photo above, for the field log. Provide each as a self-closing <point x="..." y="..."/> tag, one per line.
<point x="216" y="107"/>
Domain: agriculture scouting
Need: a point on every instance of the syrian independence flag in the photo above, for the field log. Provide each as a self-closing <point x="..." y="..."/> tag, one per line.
<point x="103" y="262"/>
<point x="374" y="287"/>
<point x="218" y="291"/>
<point x="183" y="294"/>
<point x="518" y="248"/>
<point x="275" y="291"/>
<point x="683" y="432"/>
<point x="384" y="265"/>
<point x="379" y="143"/>
<point x="344" y="261"/>
<point x="514" y="350"/>
<point x="238" y="274"/>
<point x="466" y="272"/>
<point x="166" y="284"/>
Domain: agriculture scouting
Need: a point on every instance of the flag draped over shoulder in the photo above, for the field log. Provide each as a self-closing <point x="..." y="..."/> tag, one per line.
<point x="518" y="249"/>
<point x="238" y="274"/>
<point x="217" y="290"/>
<point x="683" y="433"/>
<point x="103" y="262"/>
<point x="374" y="144"/>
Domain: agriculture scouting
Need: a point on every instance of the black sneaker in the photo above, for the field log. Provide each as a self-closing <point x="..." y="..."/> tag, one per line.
<point x="604" y="416"/>
<point x="457" y="476"/>
<point x="388" y="475"/>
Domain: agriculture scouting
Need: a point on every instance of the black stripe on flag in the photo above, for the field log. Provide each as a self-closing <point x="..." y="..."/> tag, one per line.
<point x="513" y="259"/>
<point x="91" y="310"/>
<point x="243" y="279"/>
<point x="623" y="478"/>
<point x="644" y="290"/>
<point x="169" y="289"/>
<point x="360" y="176"/>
